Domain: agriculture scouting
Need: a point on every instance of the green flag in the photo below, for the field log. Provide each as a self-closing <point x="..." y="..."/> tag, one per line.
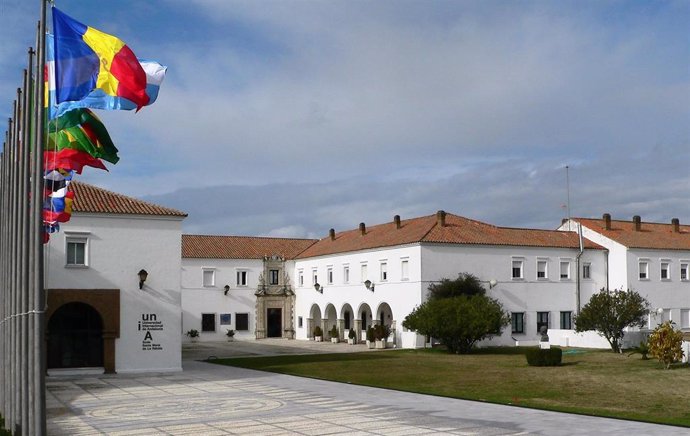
<point x="80" y="129"/>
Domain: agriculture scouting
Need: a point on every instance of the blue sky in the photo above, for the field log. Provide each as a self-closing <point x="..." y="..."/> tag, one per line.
<point x="287" y="118"/>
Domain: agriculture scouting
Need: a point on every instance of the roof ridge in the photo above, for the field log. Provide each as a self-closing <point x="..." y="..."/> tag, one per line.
<point x="251" y="237"/>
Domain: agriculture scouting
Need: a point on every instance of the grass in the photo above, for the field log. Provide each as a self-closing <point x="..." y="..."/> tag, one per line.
<point x="591" y="382"/>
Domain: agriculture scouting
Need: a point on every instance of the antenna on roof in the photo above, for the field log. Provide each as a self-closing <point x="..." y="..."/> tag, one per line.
<point x="567" y="191"/>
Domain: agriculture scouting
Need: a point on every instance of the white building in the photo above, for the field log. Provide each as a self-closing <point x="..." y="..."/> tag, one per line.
<point x="381" y="273"/>
<point x="98" y="313"/>
<point x="239" y="283"/>
<point x="650" y="258"/>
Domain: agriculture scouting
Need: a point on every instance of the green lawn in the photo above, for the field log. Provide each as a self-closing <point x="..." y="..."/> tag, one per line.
<point x="593" y="382"/>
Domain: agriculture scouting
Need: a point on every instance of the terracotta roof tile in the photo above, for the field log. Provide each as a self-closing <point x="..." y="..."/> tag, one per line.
<point x="457" y="230"/>
<point x="241" y="247"/>
<point x="90" y="199"/>
<point x="651" y="235"/>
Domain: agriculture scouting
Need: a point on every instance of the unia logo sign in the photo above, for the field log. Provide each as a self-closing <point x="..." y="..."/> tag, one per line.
<point x="149" y="323"/>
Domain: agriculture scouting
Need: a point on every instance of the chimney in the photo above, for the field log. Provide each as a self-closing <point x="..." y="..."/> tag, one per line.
<point x="331" y="233"/>
<point x="676" y="225"/>
<point x="638" y="223"/>
<point x="396" y="220"/>
<point x="607" y="221"/>
<point x="362" y="229"/>
<point x="441" y="218"/>
<point x="564" y="220"/>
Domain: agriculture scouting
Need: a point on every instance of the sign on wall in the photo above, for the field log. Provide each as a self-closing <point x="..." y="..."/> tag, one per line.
<point x="153" y="329"/>
<point x="225" y="319"/>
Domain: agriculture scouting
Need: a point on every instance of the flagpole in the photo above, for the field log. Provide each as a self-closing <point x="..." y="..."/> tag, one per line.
<point x="13" y="271"/>
<point x="39" y="296"/>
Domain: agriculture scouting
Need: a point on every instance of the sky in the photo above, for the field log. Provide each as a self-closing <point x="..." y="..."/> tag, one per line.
<point x="287" y="118"/>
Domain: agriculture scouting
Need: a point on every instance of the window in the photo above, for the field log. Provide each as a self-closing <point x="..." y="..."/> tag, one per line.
<point x="565" y="269"/>
<point x="665" y="270"/>
<point x="365" y="273"/>
<point x="241" y="278"/>
<point x="517" y="321"/>
<point x="384" y="271"/>
<point x="241" y="321"/>
<point x="542" y="320"/>
<point x="300" y="322"/>
<point x="586" y="271"/>
<point x="566" y="320"/>
<point x="517" y="269"/>
<point x="346" y="274"/>
<point x="76" y="251"/>
<point x="300" y="278"/>
<point x="405" y="270"/>
<point x="685" y="318"/>
<point x="644" y="270"/>
<point x="684" y="271"/>
<point x="314" y="277"/>
<point x="209" y="278"/>
<point x="208" y="322"/>
<point x="541" y="269"/>
<point x="329" y="275"/>
<point x="273" y="276"/>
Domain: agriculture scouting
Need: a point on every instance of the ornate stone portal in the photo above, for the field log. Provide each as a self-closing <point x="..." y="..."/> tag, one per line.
<point x="275" y="301"/>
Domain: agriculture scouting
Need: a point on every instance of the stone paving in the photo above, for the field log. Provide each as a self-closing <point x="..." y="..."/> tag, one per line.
<point x="209" y="399"/>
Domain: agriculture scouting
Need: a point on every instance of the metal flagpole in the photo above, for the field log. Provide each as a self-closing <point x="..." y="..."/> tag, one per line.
<point x="23" y="258"/>
<point x="39" y="297"/>
<point x="3" y="276"/>
<point x="13" y="272"/>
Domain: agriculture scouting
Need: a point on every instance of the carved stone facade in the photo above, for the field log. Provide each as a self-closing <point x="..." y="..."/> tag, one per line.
<point x="275" y="301"/>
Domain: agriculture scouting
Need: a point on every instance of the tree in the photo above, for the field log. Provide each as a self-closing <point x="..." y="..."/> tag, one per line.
<point x="666" y="344"/>
<point x="465" y="284"/>
<point x="459" y="322"/>
<point x="609" y="312"/>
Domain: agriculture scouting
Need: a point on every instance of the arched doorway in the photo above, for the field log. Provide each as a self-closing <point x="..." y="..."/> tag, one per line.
<point x="330" y="318"/>
<point x="364" y="319"/>
<point x="313" y="320"/>
<point x="384" y="315"/>
<point x="75" y="337"/>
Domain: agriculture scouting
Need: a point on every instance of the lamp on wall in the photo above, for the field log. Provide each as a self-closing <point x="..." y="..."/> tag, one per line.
<point x="492" y="283"/>
<point x="143" y="275"/>
<point x="227" y="288"/>
<point x="318" y="287"/>
<point x="369" y="285"/>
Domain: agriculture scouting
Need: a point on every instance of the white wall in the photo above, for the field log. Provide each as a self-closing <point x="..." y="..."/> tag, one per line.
<point x="118" y="247"/>
<point x="529" y="295"/>
<point x="401" y="295"/>
<point x="197" y="299"/>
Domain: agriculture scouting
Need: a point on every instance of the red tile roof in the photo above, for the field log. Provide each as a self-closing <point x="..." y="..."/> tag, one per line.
<point x="90" y="199"/>
<point x="651" y="235"/>
<point x="457" y="230"/>
<point x="241" y="247"/>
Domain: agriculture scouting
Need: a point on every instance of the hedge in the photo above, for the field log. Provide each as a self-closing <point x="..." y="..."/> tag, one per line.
<point x="549" y="357"/>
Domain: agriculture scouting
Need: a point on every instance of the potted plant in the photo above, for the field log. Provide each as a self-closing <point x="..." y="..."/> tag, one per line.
<point x="381" y="333"/>
<point x="370" y="337"/>
<point x="351" y="337"/>
<point x="230" y="334"/>
<point x="334" y="334"/>
<point x="318" y="334"/>
<point x="193" y="335"/>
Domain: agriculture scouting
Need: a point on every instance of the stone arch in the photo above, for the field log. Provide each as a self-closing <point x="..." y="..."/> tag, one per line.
<point x="330" y="318"/>
<point x="363" y="319"/>
<point x="105" y="303"/>
<point x="313" y="320"/>
<point x="348" y="316"/>
<point x="384" y="314"/>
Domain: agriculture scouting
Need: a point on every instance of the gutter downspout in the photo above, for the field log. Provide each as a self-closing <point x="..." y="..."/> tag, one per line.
<point x="577" y="279"/>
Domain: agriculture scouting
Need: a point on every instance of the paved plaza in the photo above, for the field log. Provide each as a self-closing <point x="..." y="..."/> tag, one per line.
<point x="209" y="399"/>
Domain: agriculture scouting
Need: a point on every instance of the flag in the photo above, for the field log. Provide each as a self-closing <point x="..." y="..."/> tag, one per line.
<point x="97" y="99"/>
<point x="80" y="129"/>
<point x="58" y="209"/>
<point x="69" y="159"/>
<point x="88" y="59"/>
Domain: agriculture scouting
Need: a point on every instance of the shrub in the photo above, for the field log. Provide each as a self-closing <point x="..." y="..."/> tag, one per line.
<point x="370" y="334"/>
<point x="381" y="332"/>
<point x="351" y="334"/>
<point x="459" y="322"/>
<point x="665" y="343"/>
<point x="334" y="332"/>
<point x="230" y="333"/>
<point x="643" y="349"/>
<point x="193" y="333"/>
<point x="548" y="357"/>
<point x="318" y="331"/>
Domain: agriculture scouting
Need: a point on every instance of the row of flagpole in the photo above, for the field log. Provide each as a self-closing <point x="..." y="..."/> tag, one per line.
<point x="22" y="293"/>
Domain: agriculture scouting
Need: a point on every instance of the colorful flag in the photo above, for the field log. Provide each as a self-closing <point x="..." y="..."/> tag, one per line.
<point x="80" y="129"/>
<point x="88" y="59"/>
<point x="97" y="99"/>
<point x="69" y="159"/>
